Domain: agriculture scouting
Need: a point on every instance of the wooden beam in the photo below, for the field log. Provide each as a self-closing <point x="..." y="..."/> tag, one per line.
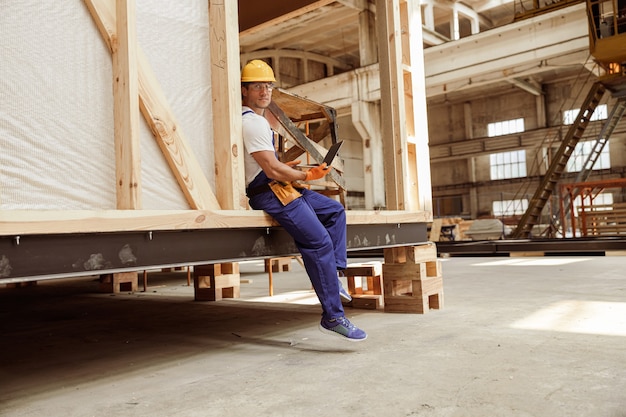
<point x="28" y="222"/>
<point x="366" y="121"/>
<point x="392" y="101"/>
<point x="368" y="49"/>
<point x="303" y="142"/>
<point x="417" y="187"/>
<point x="287" y="16"/>
<point x="126" y="108"/>
<point x="160" y="118"/>
<point x="226" y="109"/>
<point x="359" y="5"/>
<point x="290" y="53"/>
<point x="366" y="115"/>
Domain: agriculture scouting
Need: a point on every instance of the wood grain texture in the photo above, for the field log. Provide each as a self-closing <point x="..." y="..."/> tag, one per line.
<point x="23" y="222"/>
<point x="160" y="118"/>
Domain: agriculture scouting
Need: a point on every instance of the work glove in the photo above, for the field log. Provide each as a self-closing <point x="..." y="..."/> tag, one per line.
<point x="317" y="172"/>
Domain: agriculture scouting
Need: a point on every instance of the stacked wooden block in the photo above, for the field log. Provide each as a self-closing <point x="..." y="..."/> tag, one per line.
<point x="365" y="285"/>
<point x="412" y="279"/>
<point x="216" y="281"/>
<point x="118" y="282"/>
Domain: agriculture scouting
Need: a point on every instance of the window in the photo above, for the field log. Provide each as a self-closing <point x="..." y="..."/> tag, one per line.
<point x="508" y="165"/>
<point x="582" y="152"/>
<point x="509" y="207"/>
<point x="599" y="114"/>
<point x="505" y="128"/>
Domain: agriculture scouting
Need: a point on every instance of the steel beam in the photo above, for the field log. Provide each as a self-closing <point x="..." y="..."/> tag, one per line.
<point x="547" y="246"/>
<point x="39" y="257"/>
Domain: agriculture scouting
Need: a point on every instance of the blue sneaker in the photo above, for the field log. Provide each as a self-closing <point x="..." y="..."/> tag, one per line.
<point x="343" y="293"/>
<point x="343" y="328"/>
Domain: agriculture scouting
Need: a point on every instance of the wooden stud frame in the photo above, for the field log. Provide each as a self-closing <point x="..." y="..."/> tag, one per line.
<point x="211" y="216"/>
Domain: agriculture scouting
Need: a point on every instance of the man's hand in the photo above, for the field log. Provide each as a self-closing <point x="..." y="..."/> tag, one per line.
<point x="316" y="173"/>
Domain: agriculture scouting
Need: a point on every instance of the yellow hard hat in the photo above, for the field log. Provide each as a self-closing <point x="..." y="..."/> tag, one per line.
<point x="257" y="70"/>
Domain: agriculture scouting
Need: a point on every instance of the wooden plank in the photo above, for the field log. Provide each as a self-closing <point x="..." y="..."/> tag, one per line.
<point x="435" y="230"/>
<point x="366" y="121"/>
<point x="418" y="190"/>
<point x="422" y="253"/>
<point x="24" y="222"/>
<point x="126" y="108"/>
<point x="411" y="254"/>
<point x="365" y="269"/>
<point x="284" y="17"/>
<point x="401" y="64"/>
<point x="171" y="140"/>
<point x="404" y="271"/>
<point x="412" y="290"/>
<point x="368" y="50"/>
<point x="392" y="101"/>
<point x="394" y="255"/>
<point x="304" y="142"/>
<point x="410" y="271"/>
<point x="406" y="305"/>
<point x="367" y="301"/>
<point x="160" y="118"/>
<point x="226" y="109"/>
<point x="298" y="109"/>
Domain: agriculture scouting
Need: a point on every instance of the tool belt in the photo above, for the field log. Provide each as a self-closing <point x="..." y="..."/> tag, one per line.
<point x="285" y="192"/>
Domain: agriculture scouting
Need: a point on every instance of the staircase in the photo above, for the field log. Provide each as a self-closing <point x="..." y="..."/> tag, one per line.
<point x="559" y="162"/>
<point x="605" y="133"/>
<point x="603" y="138"/>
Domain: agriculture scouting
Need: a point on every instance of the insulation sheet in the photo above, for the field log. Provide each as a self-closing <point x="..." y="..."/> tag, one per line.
<point x="56" y="103"/>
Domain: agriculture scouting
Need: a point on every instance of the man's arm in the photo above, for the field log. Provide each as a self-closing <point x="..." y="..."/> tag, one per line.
<point x="275" y="169"/>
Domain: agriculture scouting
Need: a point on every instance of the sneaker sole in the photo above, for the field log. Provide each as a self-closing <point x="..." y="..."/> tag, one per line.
<point x="333" y="333"/>
<point x="345" y="297"/>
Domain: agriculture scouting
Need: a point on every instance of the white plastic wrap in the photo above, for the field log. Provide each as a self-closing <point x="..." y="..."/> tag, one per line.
<point x="56" y="104"/>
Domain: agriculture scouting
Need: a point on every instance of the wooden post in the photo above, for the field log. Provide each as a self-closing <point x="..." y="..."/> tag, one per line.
<point x="126" y="108"/>
<point x="402" y="91"/>
<point x="226" y="92"/>
<point x="392" y="102"/>
<point x="419" y="192"/>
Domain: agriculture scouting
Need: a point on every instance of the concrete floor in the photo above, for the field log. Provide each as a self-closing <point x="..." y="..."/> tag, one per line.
<point x="517" y="337"/>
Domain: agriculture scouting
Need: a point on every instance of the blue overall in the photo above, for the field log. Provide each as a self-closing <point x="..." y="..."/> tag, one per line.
<point x="318" y="227"/>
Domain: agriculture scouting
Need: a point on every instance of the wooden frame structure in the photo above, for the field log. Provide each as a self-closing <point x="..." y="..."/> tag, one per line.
<point x="224" y="209"/>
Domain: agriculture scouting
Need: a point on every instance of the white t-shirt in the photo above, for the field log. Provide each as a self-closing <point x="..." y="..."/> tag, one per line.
<point x="257" y="136"/>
